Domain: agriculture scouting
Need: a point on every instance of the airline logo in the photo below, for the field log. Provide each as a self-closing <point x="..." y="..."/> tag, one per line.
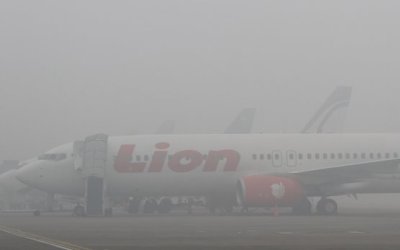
<point x="181" y="162"/>
<point x="278" y="190"/>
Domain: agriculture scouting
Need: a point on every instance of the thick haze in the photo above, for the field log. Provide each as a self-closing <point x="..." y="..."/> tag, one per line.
<point x="69" y="69"/>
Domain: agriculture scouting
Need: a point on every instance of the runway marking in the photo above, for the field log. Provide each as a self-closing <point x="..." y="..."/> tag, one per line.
<point x="285" y="233"/>
<point x="356" y="232"/>
<point x="50" y="242"/>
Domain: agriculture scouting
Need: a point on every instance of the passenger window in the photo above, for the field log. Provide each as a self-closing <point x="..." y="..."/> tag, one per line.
<point x="138" y="158"/>
<point x="355" y="156"/>
<point x="254" y="157"/>
<point x="395" y="155"/>
<point x="363" y="156"/>
<point x="309" y="156"/>
<point x="333" y="156"/>
<point x="300" y="156"/>
<point x="340" y="156"/>
<point x="261" y="157"/>
<point x="146" y="158"/>
<point x="292" y="161"/>
<point x="378" y="155"/>
<point x="269" y="157"/>
<point x="371" y="155"/>
<point x="325" y="156"/>
<point x="387" y="155"/>
<point x="347" y="155"/>
<point x="317" y="156"/>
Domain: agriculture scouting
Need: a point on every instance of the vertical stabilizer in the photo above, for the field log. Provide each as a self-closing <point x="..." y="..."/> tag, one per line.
<point x="330" y="117"/>
<point x="167" y="128"/>
<point x="243" y="123"/>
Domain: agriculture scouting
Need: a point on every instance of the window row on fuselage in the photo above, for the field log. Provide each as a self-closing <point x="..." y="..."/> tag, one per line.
<point x="291" y="155"/>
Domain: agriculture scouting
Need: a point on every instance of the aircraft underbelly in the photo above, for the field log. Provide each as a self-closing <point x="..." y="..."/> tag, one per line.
<point x="159" y="184"/>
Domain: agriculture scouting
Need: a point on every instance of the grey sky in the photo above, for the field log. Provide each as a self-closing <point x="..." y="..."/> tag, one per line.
<point x="72" y="68"/>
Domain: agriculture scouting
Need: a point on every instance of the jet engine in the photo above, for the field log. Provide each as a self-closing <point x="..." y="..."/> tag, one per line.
<point x="268" y="191"/>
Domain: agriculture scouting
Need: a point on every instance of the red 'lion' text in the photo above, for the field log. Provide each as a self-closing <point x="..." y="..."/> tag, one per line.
<point x="181" y="162"/>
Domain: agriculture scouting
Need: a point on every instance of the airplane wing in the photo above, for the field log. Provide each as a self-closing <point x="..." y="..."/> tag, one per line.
<point x="348" y="173"/>
<point x="330" y="117"/>
<point x="242" y="123"/>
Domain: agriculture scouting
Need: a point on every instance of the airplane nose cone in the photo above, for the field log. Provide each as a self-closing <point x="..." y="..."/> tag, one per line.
<point x="30" y="175"/>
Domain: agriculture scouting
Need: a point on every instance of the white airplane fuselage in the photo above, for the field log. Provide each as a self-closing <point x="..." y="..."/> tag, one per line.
<point x="158" y="165"/>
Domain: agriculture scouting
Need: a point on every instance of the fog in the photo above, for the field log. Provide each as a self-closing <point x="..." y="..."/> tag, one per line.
<point x="69" y="69"/>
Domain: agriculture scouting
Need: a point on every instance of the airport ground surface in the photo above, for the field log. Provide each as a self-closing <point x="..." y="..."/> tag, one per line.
<point x="363" y="225"/>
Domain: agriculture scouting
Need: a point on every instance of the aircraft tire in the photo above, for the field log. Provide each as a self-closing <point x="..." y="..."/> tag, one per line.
<point x="79" y="211"/>
<point x="150" y="206"/>
<point x="327" y="207"/>
<point x="164" y="206"/>
<point x="304" y="207"/>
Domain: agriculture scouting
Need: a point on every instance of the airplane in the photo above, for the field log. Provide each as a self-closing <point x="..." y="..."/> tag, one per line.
<point x="264" y="170"/>
<point x="338" y="98"/>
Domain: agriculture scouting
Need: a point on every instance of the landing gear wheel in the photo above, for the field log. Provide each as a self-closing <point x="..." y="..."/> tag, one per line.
<point x="212" y="206"/>
<point x="304" y="207"/>
<point x="228" y="209"/>
<point x="108" y="212"/>
<point x="133" y="205"/>
<point x="165" y="206"/>
<point x="150" y="206"/>
<point x="79" y="211"/>
<point x="327" y="207"/>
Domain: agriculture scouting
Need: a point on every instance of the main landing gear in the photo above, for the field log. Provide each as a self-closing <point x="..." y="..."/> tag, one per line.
<point x="324" y="206"/>
<point x="327" y="207"/>
<point x="304" y="207"/>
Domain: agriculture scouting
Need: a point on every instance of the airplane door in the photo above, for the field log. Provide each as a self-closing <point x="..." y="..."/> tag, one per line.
<point x="291" y="157"/>
<point x="277" y="158"/>
<point x="93" y="164"/>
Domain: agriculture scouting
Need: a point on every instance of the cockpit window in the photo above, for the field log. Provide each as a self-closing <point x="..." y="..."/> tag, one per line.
<point x="52" y="157"/>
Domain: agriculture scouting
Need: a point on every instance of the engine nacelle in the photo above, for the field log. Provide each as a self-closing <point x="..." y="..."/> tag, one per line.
<point x="268" y="191"/>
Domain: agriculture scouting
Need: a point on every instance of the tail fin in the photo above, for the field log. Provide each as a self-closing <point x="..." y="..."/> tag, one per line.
<point x="243" y="123"/>
<point x="330" y="117"/>
<point x="168" y="127"/>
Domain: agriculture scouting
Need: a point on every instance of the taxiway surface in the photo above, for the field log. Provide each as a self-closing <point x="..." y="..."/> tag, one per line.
<point x="372" y="223"/>
<point x="346" y="231"/>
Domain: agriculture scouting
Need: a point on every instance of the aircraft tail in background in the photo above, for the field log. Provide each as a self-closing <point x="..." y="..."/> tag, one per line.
<point x="330" y="117"/>
<point x="167" y="128"/>
<point x="243" y="123"/>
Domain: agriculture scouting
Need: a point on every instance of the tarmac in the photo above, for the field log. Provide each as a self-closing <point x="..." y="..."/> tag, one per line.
<point x="356" y="227"/>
